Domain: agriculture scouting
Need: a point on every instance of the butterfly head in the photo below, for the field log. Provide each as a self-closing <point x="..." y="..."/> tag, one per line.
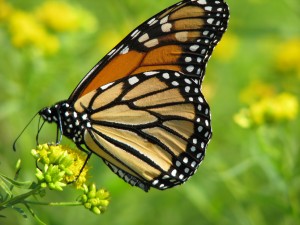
<point x="53" y="113"/>
<point x="70" y="123"/>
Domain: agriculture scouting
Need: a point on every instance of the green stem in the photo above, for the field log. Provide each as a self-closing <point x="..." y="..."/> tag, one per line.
<point x="54" y="203"/>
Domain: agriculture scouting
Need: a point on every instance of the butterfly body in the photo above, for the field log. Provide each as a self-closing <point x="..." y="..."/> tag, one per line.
<point x="141" y="108"/>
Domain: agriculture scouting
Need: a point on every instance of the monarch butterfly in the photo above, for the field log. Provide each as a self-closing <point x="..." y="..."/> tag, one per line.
<point x="141" y="108"/>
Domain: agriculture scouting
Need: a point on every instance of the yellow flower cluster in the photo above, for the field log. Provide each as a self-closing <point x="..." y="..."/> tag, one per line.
<point x="270" y="109"/>
<point x="96" y="200"/>
<point x="62" y="163"/>
<point x="26" y="31"/>
<point x="40" y="27"/>
<point x="248" y="96"/>
<point x="59" y="166"/>
<point x="62" y="17"/>
<point x="288" y="57"/>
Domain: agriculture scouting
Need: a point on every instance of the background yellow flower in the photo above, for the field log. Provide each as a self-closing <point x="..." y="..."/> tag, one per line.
<point x="62" y="16"/>
<point x="26" y="31"/>
<point x="288" y="56"/>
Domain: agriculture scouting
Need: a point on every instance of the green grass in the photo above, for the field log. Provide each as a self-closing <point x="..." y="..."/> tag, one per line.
<point x="249" y="176"/>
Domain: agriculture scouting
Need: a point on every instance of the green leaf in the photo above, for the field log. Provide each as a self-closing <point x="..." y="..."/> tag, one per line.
<point x="6" y="189"/>
<point x="20" y="184"/>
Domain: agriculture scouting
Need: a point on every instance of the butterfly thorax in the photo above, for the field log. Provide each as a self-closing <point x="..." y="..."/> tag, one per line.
<point x="71" y="123"/>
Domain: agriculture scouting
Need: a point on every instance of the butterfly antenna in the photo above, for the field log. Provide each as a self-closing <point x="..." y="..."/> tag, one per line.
<point x="15" y="142"/>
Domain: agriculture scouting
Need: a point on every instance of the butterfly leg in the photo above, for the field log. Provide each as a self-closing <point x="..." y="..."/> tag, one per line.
<point x="89" y="154"/>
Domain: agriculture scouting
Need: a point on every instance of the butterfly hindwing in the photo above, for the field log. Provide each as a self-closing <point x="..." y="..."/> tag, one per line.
<point x="180" y="38"/>
<point x="151" y="128"/>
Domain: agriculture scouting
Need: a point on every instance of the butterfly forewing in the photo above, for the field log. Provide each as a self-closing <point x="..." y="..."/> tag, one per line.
<point x="180" y="38"/>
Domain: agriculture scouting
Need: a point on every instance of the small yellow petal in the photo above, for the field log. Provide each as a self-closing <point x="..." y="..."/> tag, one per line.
<point x="242" y="118"/>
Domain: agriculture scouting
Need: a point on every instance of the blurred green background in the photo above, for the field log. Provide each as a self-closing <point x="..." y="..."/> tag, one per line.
<point x="251" y="173"/>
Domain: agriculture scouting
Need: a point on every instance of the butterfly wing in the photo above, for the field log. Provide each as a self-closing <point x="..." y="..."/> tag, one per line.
<point x="148" y="119"/>
<point x="150" y="128"/>
<point x="180" y="38"/>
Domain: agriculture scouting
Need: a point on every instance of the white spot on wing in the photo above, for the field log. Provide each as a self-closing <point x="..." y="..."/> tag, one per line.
<point x="164" y="20"/>
<point x="182" y="36"/>
<point x="187" y="89"/>
<point x="190" y="68"/>
<point x="202" y="2"/>
<point x="200" y="128"/>
<point x="135" y="33"/>
<point x="174" y="172"/>
<point x="185" y="160"/>
<point x="210" y="20"/>
<point x="150" y="73"/>
<point x="151" y="43"/>
<point x="188" y="59"/>
<point x="193" y="164"/>
<point x="194" y="48"/>
<point x="166" y="76"/>
<point x="144" y="38"/>
<point x="133" y="80"/>
<point x="175" y="83"/>
<point x="106" y="86"/>
<point x="166" y="27"/>
<point x="208" y="8"/>
<point x="188" y="81"/>
<point x="152" y="21"/>
<point x="155" y="182"/>
<point x="206" y="32"/>
<point x="125" y="50"/>
<point x="111" y="52"/>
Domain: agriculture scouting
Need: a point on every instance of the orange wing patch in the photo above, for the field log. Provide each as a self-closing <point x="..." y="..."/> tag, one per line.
<point x="133" y="62"/>
<point x="120" y="66"/>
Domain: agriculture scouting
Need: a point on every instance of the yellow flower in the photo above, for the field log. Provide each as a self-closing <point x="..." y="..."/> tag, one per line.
<point x="227" y="47"/>
<point x="288" y="56"/>
<point x="5" y="10"/>
<point x="242" y="118"/>
<point x="62" y="164"/>
<point x="27" y="31"/>
<point x="61" y="16"/>
<point x="249" y="96"/>
<point x="261" y="111"/>
<point x="96" y="200"/>
<point x="287" y="106"/>
<point x="281" y="107"/>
